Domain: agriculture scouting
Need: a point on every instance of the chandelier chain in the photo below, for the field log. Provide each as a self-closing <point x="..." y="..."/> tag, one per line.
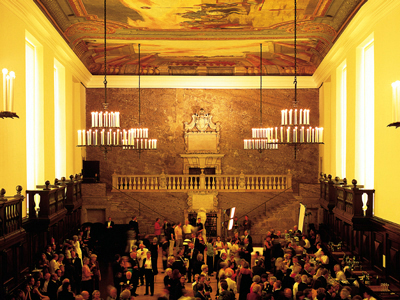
<point x="105" y="51"/>
<point x="295" y="53"/>
<point x="261" y="85"/>
<point x="140" y="69"/>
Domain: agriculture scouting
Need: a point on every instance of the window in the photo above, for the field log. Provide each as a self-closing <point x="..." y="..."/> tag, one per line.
<point x="365" y="116"/>
<point x="59" y="120"/>
<point x="34" y="113"/>
<point x="341" y="119"/>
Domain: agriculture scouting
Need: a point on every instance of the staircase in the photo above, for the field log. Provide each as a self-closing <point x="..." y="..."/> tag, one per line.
<point x="280" y="213"/>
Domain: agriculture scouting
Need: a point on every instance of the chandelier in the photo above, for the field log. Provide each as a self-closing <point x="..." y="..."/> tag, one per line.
<point x="262" y="138"/>
<point x="8" y="95"/>
<point x="105" y="131"/>
<point x="295" y="123"/>
<point x="295" y="126"/>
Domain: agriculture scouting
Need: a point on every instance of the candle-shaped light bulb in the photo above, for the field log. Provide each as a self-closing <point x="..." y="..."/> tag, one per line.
<point x="5" y="72"/>
<point x="79" y="137"/>
<point x="11" y="91"/>
<point x="396" y="101"/>
<point x="8" y="92"/>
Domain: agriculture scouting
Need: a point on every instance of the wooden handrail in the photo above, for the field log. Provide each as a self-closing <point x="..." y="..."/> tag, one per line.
<point x="10" y="212"/>
<point x="50" y="200"/>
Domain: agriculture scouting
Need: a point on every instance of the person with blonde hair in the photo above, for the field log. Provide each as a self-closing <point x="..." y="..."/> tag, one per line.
<point x="77" y="247"/>
<point x="125" y="295"/>
<point x="87" y="280"/>
<point x="96" y="295"/>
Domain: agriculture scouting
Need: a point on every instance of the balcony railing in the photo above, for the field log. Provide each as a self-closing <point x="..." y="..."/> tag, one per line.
<point x="179" y="183"/>
<point x="46" y="202"/>
<point x="10" y="212"/>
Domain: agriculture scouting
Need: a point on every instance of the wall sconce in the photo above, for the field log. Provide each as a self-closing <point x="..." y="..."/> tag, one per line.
<point x="396" y="104"/>
<point x="8" y="95"/>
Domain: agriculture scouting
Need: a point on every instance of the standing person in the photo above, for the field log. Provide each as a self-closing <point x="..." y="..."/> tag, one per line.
<point x="236" y="225"/>
<point x="95" y="269"/>
<point x="187" y="229"/>
<point x="247" y="250"/>
<point x="164" y="252"/>
<point x="267" y="252"/>
<point x="178" y="235"/>
<point x="148" y="272"/>
<point x="141" y="255"/>
<point x="166" y="226"/>
<point x="154" y="254"/>
<point x="172" y="243"/>
<point x="157" y="228"/>
<point x="109" y="224"/>
<point x="87" y="281"/>
<point x="210" y="256"/>
<point x="192" y="256"/>
<point x="244" y="281"/>
<point x="135" y="272"/>
<point x="134" y="224"/>
<point x="246" y="224"/>
<point x="218" y="246"/>
<point x="77" y="247"/>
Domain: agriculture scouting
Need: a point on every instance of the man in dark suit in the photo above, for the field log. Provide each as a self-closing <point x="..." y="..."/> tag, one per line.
<point x="135" y="272"/>
<point x="258" y="269"/>
<point x="277" y="291"/>
<point x="247" y="250"/>
<point x="76" y="262"/>
<point x="321" y="281"/>
<point x="191" y="254"/>
<point x="52" y="287"/>
<point x="248" y="236"/>
<point x="134" y="224"/>
<point x="179" y="263"/>
<point x="109" y="224"/>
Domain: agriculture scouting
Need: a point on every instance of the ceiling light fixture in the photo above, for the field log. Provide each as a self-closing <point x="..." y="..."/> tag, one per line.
<point x="262" y="138"/>
<point x="295" y="123"/>
<point x="105" y="129"/>
<point x="8" y="95"/>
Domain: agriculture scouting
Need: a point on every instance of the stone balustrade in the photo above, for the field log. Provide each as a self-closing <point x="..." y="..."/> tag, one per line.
<point x="181" y="183"/>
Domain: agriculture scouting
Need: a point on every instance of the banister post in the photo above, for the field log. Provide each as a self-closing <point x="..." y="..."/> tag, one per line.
<point x="114" y="180"/>
<point x="289" y="179"/>
<point x="163" y="181"/>
<point x="202" y="180"/>
<point x="242" y="180"/>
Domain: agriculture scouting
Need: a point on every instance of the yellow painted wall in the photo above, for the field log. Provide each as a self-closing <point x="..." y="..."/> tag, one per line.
<point x="382" y="20"/>
<point x="15" y="20"/>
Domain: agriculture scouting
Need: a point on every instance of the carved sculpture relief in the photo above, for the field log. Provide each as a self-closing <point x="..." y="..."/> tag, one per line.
<point x="202" y="135"/>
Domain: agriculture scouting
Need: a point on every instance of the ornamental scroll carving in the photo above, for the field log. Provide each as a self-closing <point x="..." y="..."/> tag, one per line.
<point x="201" y="134"/>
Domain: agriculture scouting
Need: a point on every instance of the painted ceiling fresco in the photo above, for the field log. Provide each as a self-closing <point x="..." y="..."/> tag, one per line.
<point x="200" y="37"/>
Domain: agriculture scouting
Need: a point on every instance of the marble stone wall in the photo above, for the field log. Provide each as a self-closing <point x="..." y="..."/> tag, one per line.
<point x="164" y="112"/>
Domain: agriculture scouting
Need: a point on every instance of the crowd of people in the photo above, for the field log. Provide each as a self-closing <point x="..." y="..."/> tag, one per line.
<point x="291" y="266"/>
